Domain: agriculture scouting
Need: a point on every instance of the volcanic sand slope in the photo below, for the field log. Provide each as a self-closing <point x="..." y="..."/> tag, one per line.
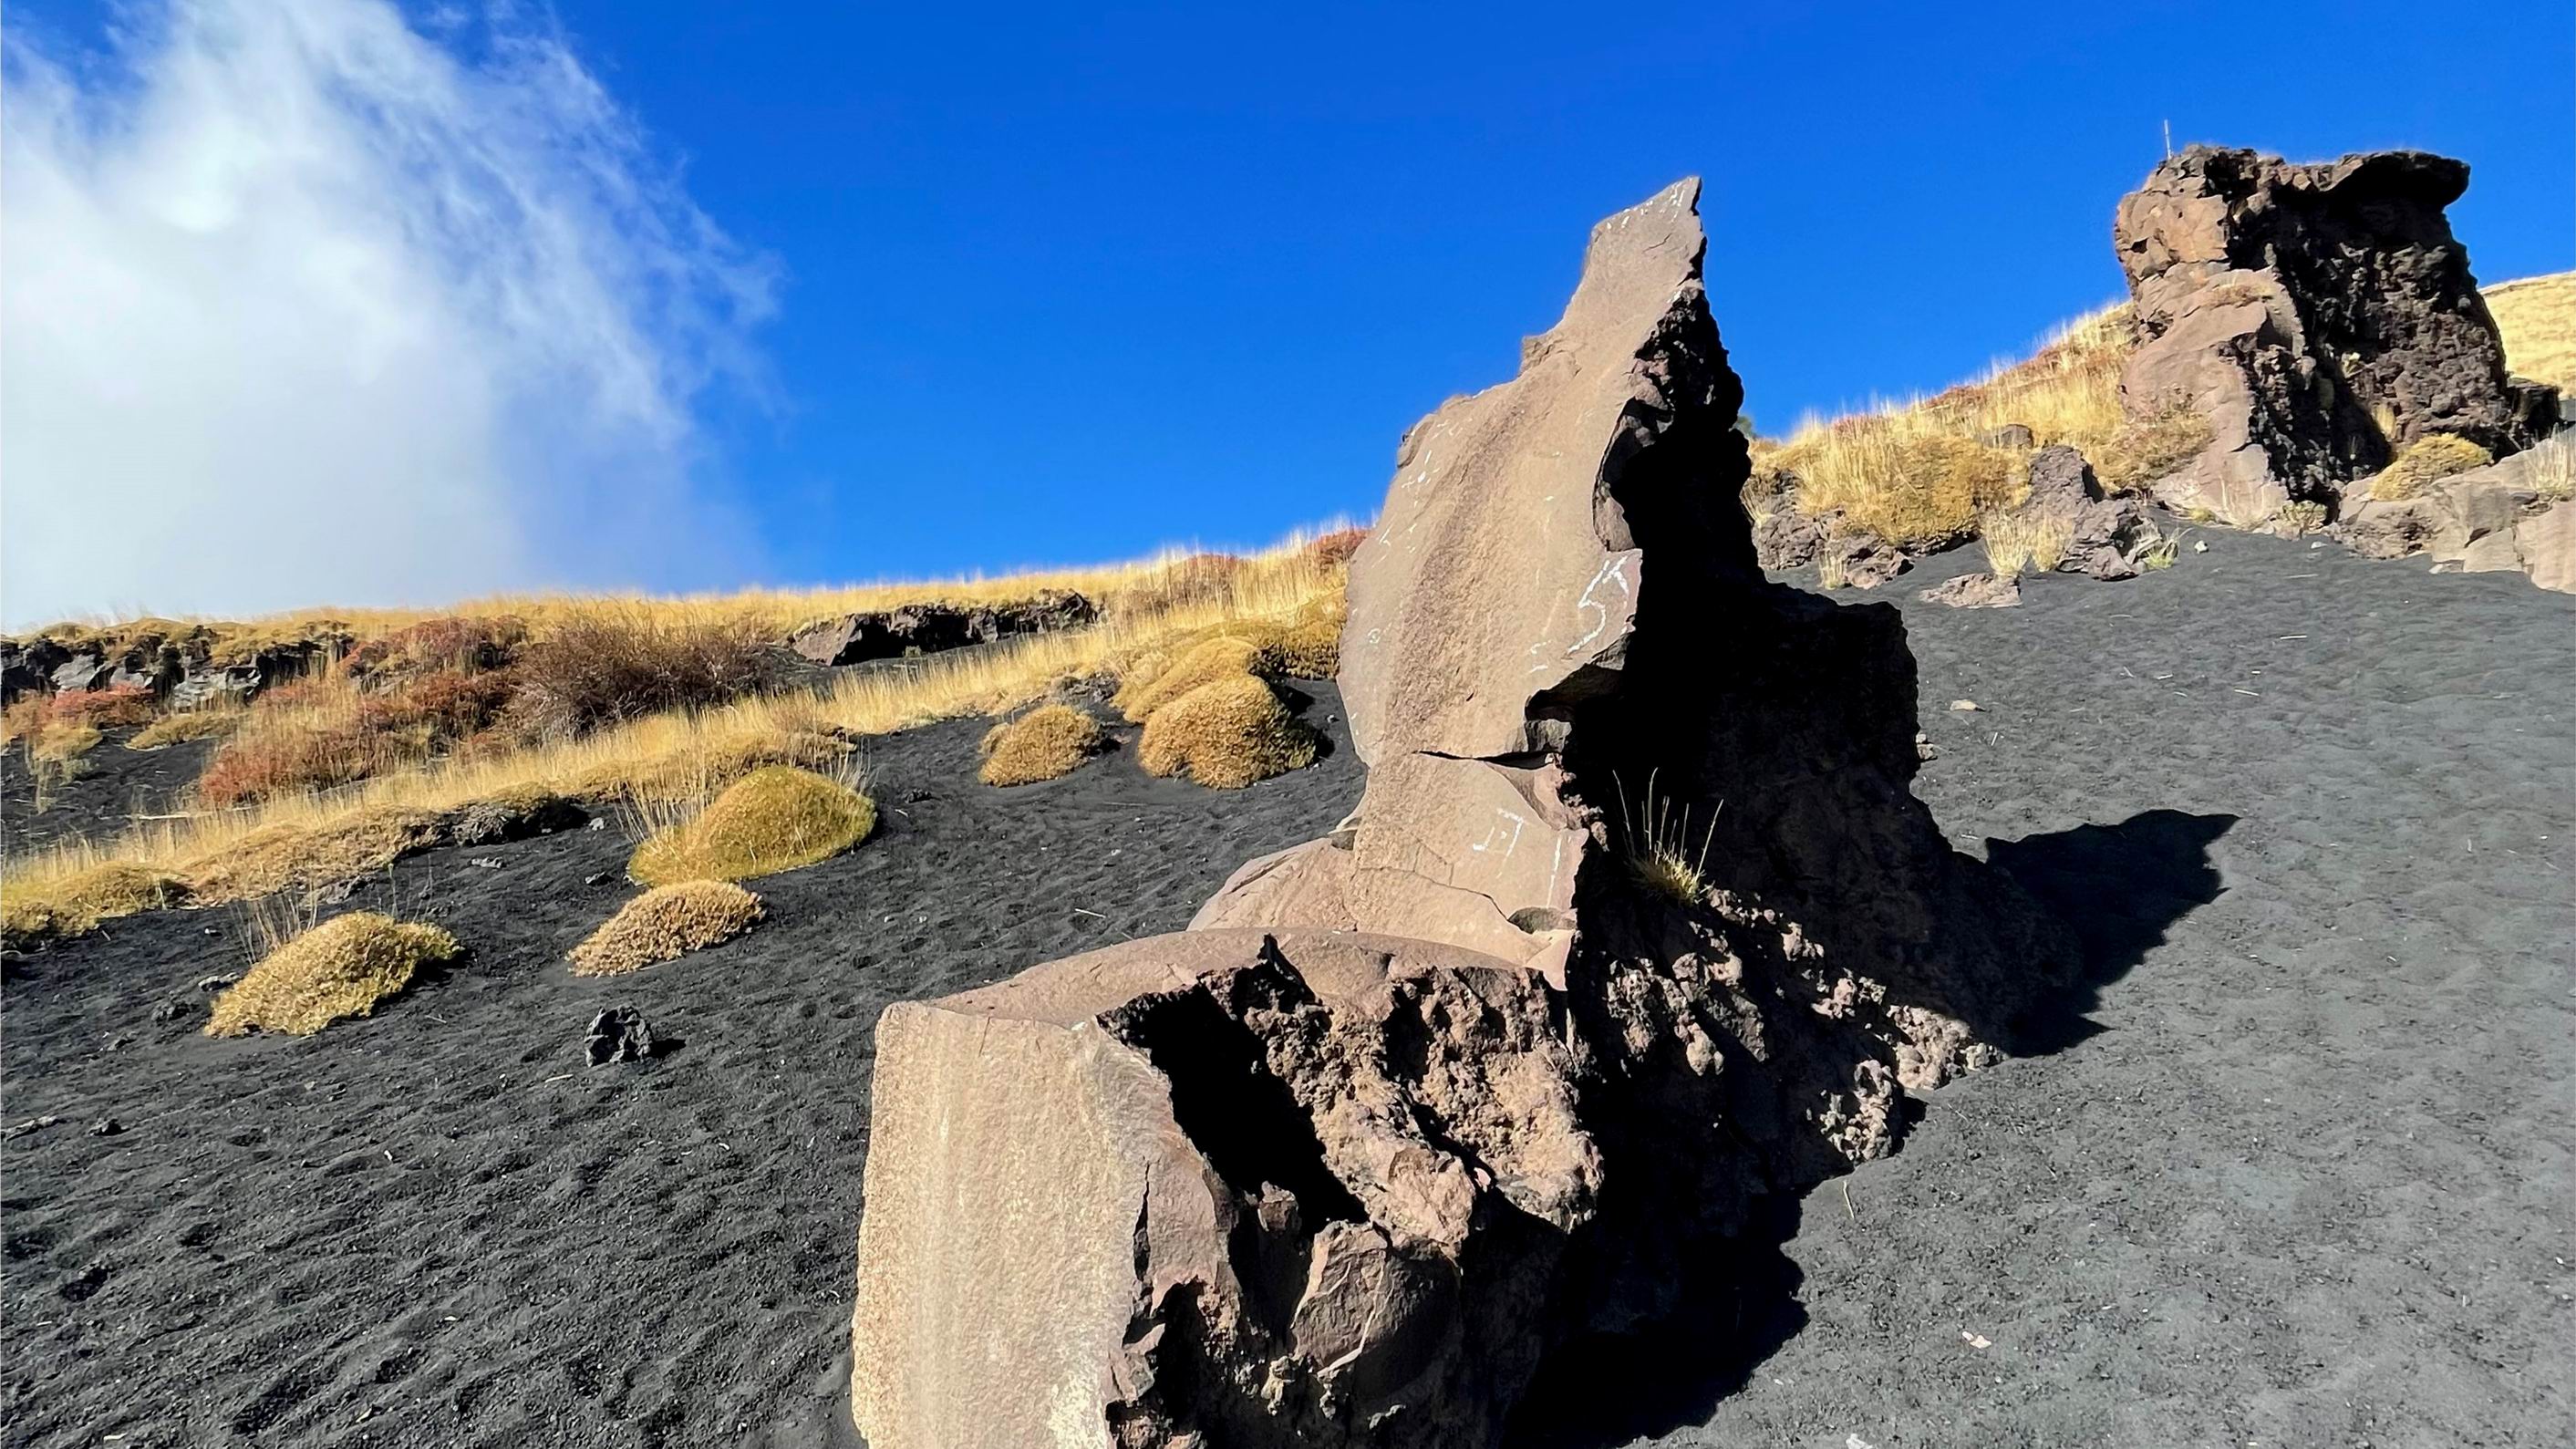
<point x="2304" y="1180"/>
<point x="2300" y="1178"/>
<point x="440" y="1217"/>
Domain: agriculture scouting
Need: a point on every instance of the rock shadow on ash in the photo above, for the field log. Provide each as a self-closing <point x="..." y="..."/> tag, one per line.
<point x="2118" y="889"/>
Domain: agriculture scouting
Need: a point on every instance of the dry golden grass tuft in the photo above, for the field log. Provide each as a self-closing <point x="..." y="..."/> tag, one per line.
<point x="1921" y="472"/>
<point x="1219" y="658"/>
<point x="2537" y="318"/>
<point x="775" y="818"/>
<point x="1902" y="478"/>
<point x="2141" y="450"/>
<point x="1047" y="743"/>
<point x="2553" y="471"/>
<point x="1308" y="649"/>
<point x="79" y="900"/>
<point x="1659" y="848"/>
<point x="63" y="741"/>
<point x="341" y="968"/>
<point x="195" y="724"/>
<point x="664" y="924"/>
<point x="683" y="756"/>
<point x="2427" y="461"/>
<point x="1227" y="733"/>
<point x="2018" y="542"/>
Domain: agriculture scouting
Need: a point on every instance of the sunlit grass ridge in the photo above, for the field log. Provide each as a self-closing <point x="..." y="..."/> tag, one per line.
<point x="682" y="755"/>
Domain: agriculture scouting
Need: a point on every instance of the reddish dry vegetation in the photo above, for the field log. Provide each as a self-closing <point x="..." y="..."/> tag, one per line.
<point x="303" y="738"/>
<point x="1335" y="548"/>
<point x="605" y="668"/>
<point x="457" y="685"/>
<point x="455" y="642"/>
<point x="97" y="708"/>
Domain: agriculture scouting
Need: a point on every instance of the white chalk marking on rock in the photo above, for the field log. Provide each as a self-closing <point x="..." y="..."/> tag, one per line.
<point x="1613" y="568"/>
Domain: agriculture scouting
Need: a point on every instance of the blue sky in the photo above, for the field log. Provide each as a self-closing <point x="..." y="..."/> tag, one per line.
<point x="1004" y="283"/>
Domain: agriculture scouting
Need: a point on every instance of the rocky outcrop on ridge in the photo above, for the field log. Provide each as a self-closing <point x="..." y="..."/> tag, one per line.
<point x="186" y="664"/>
<point x="2317" y="316"/>
<point x="929" y="628"/>
<point x="1636" y="921"/>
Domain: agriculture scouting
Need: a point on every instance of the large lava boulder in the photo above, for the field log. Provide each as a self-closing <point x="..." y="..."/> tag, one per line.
<point x="2315" y="317"/>
<point x="1636" y="922"/>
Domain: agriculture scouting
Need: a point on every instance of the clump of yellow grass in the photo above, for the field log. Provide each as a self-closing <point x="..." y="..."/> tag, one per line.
<point x="1921" y="472"/>
<point x="341" y="968"/>
<point x="664" y="924"/>
<point x="2427" y="461"/>
<point x="2018" y="542"/>
<point x="1047" y="743"/>
<point x="774" y="819"/>
<point x="1227" y="733"/>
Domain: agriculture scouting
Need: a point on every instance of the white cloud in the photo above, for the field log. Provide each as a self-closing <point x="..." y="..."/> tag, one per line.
<point x="299" y="305"/>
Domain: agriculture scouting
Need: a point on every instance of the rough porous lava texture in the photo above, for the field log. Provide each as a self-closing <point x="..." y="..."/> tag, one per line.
<point x="2319" y="316"/>
<point x="1415" y="1107"/>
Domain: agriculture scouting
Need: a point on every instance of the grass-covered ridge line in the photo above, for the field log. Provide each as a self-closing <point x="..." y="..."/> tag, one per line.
<point x="677" y="758"/>
<point x="1926" y="472"/>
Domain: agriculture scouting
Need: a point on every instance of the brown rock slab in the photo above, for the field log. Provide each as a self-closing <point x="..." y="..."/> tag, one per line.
<point x="2500" y="518"/>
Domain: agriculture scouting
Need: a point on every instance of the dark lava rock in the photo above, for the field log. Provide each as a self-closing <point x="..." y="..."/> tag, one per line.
<point x="2317" y="316"/>
<point x="619" y="1034"/>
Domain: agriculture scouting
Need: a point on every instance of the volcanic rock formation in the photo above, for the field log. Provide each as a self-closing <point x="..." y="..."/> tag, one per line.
<point x="844" y="639"/>
<point x="1636" y="921"/>
<point x="2317" y="316"/>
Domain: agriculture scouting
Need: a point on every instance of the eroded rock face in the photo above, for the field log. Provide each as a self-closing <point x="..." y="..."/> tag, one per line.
<point x="2316" y="316"/>
<point x="1228" y="1187"/>
<point x="1635" y="923"/>
<point x="178" y="665"/>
